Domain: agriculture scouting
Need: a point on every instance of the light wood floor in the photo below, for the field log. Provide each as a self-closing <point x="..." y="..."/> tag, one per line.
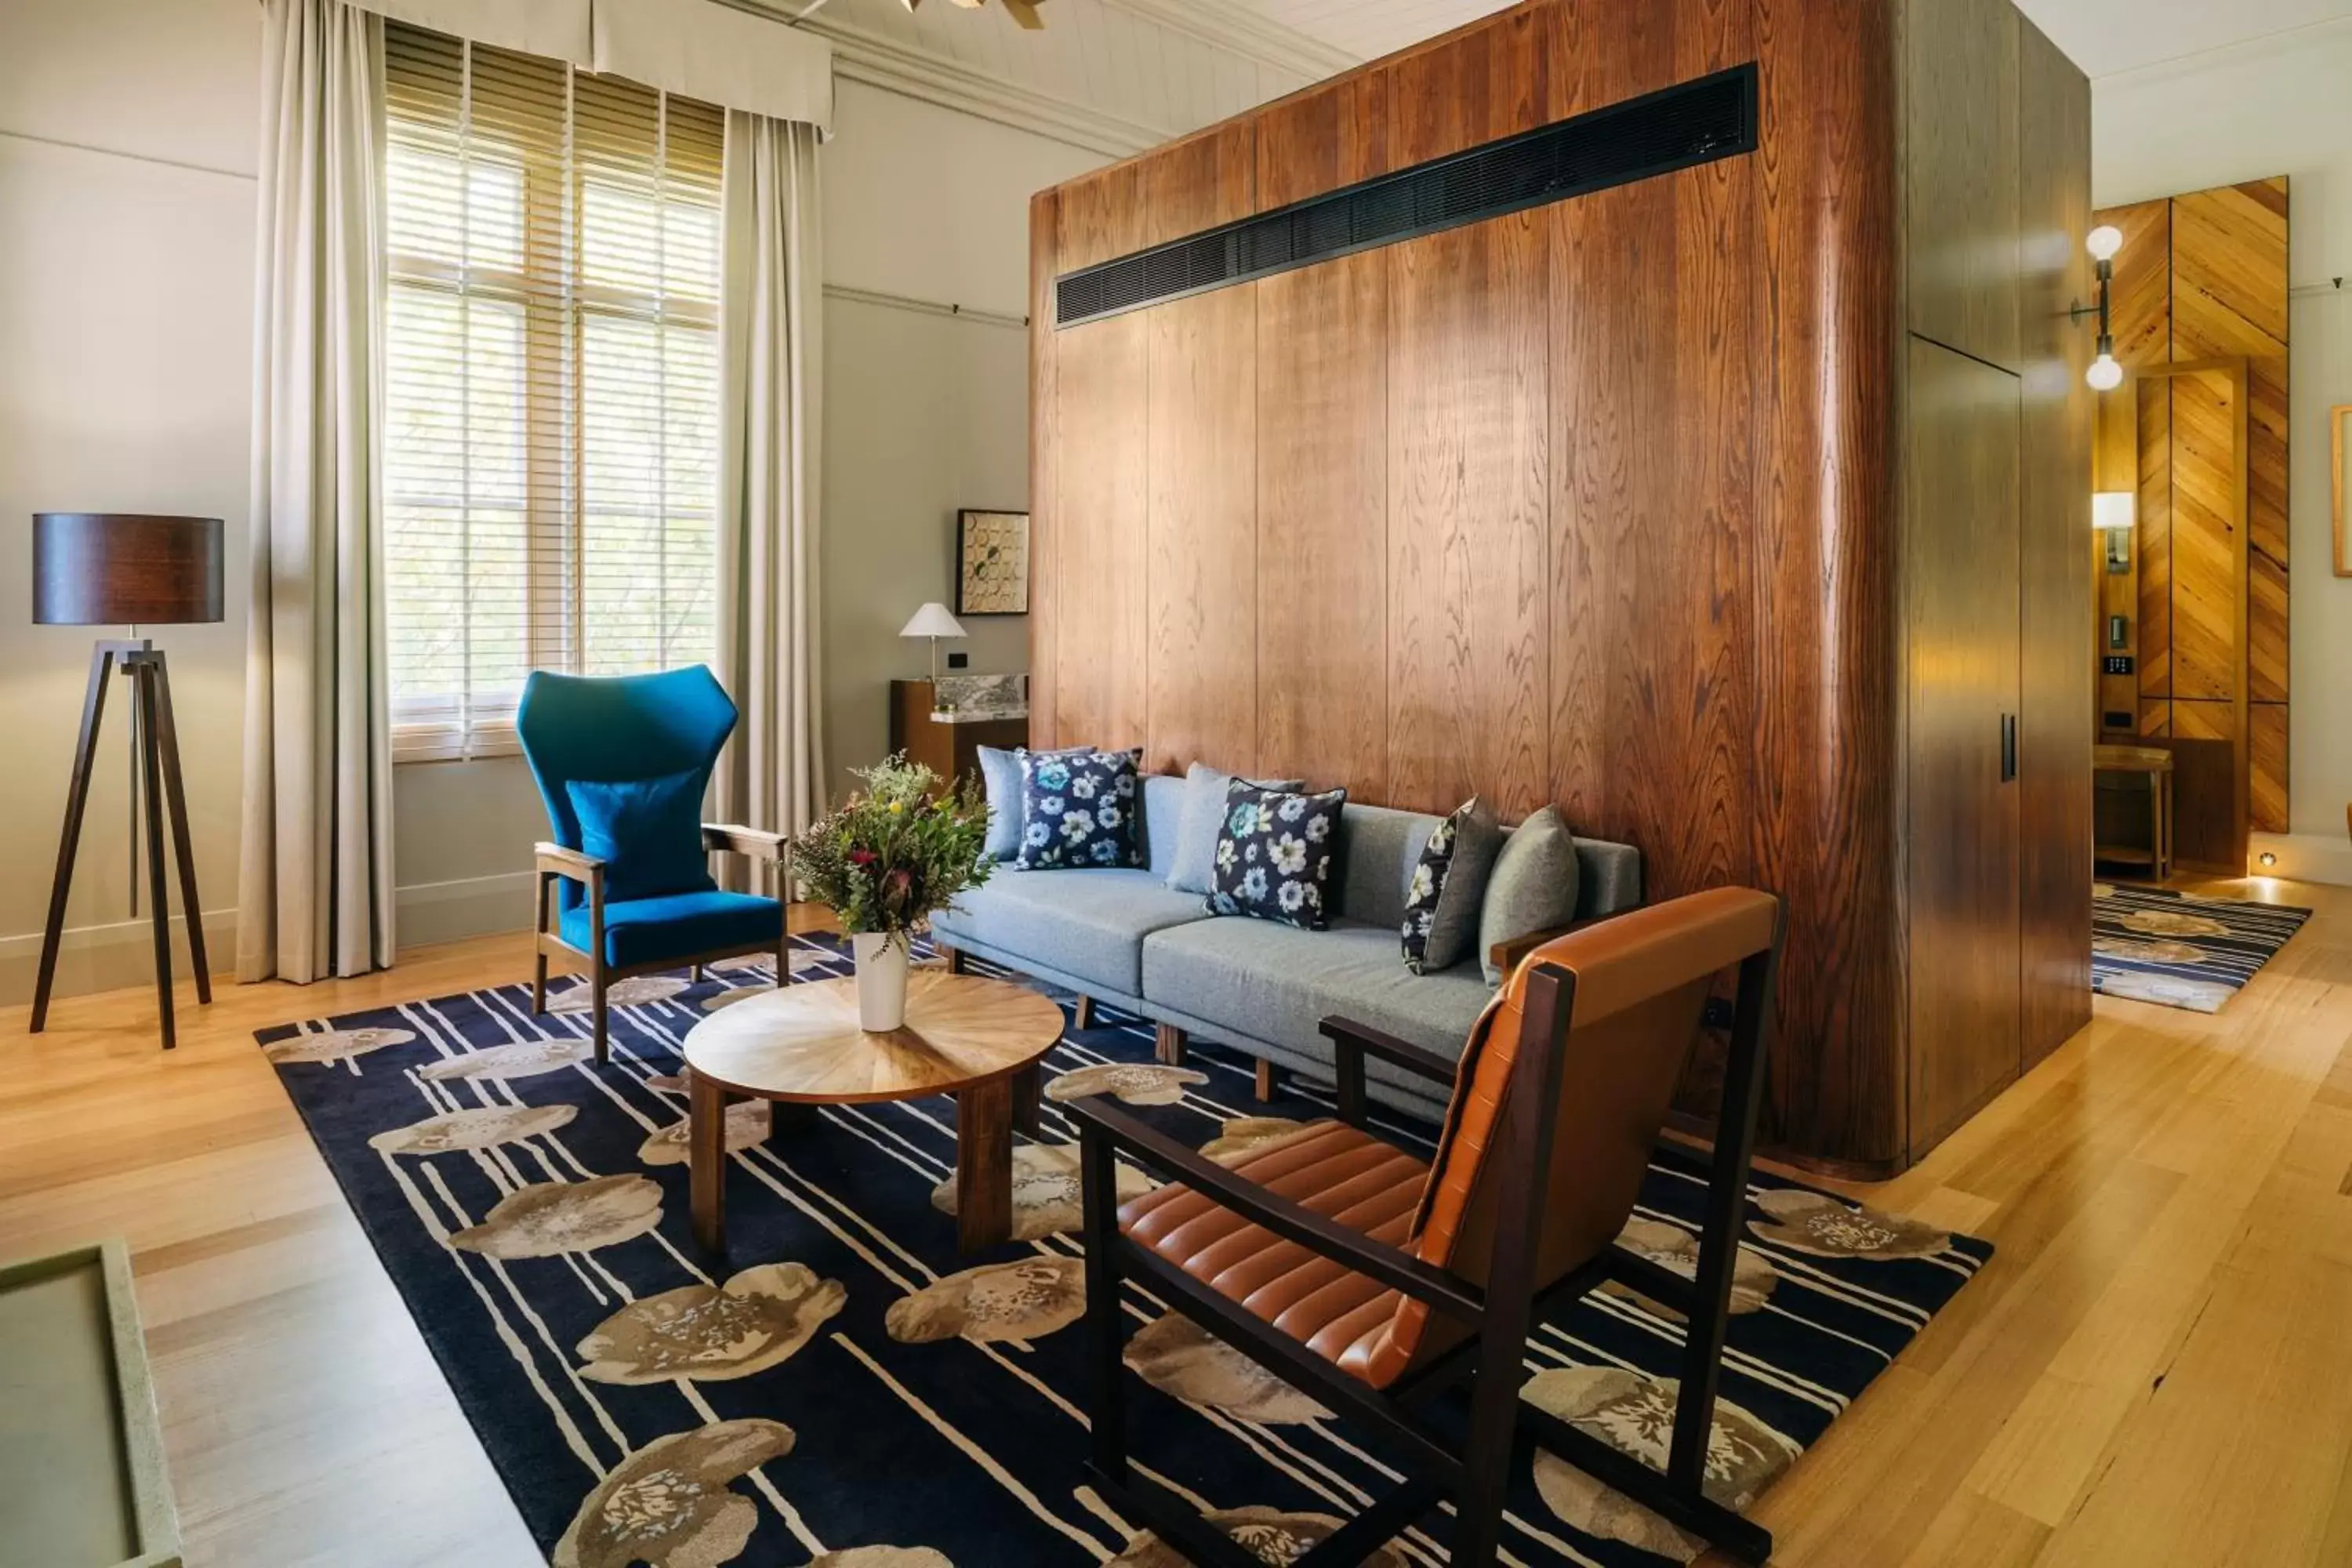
<point x="2155" y="1370"/>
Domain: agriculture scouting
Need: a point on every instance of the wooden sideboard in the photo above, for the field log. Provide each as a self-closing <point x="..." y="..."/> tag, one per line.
<point x="947" y="746"/>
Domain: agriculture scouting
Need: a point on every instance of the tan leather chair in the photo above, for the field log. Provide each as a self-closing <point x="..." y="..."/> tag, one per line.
<point x="1373" y="1282"/>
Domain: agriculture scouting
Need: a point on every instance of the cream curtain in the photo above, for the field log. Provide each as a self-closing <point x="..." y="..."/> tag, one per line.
<point x="771" y="303"/>
<point x="315" y="885"/>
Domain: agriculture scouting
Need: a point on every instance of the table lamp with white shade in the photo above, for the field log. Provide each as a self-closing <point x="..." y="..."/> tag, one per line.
<point x="934" y="622"/>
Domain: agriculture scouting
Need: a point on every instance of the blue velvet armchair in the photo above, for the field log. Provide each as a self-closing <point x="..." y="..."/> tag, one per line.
<point x="622" y="763"/>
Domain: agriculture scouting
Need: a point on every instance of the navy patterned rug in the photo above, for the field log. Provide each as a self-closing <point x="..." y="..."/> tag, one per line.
<point x="2183" y="950"/>
<point x="848" y="1391"/>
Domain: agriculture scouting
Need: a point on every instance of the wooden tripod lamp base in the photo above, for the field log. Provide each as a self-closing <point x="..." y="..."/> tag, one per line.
<point x="116" y="569"/>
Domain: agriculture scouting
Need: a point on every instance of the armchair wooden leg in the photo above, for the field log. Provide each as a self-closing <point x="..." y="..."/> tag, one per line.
<point x="1105" y="1319"/>
<point x="1084" y="1014"/>
<point x="538" y="983"/>
<point x="1168" y="1045"/>
<point x="1269" y="1081"/>
<point x="1026" y="1084"/>
<point x="599" y="1013"/>
<point x="957" y="961"/>
<point x="784" y="958"/>
<point x="694" y="972"/>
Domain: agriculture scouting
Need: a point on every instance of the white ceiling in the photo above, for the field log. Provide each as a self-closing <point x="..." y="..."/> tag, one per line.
<point x="2104" y="37"/>
<point x="1117" y="76"/>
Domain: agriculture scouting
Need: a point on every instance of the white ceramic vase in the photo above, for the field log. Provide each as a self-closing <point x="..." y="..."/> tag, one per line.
<point x="881" y="980"/>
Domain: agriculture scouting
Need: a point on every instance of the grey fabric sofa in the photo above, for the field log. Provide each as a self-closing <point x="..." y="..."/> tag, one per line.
<point x="1123" y="938"/>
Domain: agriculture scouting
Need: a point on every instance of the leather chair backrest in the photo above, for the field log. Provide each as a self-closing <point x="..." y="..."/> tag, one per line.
<point x="1642" y="982"/>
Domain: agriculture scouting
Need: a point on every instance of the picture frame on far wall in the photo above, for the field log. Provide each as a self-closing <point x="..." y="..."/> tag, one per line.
<point x="991" y="562"/>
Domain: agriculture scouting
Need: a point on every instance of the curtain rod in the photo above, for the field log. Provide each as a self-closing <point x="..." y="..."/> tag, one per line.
<point x="923" y="307"/>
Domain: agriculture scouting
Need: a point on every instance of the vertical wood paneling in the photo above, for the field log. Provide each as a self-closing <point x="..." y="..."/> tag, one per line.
<point x="2054" y="566"/>
<point x="2152" y="537"/>
<point x="1200" y="408"/>
<point x="2266" y="760"/>
<point x="1320" y="141"/>
<point x="1099" y="215"/>
<point x="1825" y="749"/>
<point x="1468" y="580"/>
<point x="1101" y="609"/>
<point x="1961" y="853"/>
<point x="1045" y="466"/>
<point x="2139" y="307"/>
<point x="2208" y="587"/>
<point x="1322" y="517"/>
<point x="1482" y="82"/>
<point x="1653" y="531"/>
<point x="1961" y="213"/>
<point x="1203" y="577"/>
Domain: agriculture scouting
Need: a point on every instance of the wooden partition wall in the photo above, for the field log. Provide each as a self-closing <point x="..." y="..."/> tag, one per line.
<point x="1596" y="504"/>
<point x="2200" y="432"/>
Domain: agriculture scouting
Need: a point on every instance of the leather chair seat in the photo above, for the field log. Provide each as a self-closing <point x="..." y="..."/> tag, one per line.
<point x="1334" y="1170"/>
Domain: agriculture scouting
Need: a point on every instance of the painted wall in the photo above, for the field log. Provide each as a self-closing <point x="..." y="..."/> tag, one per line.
<point x="126" y="288"/>
<point x="127" y="140"/>
<point x="2276" y="106"/>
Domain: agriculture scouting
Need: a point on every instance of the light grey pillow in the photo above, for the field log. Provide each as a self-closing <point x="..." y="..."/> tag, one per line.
<point x="1194" y="866"/>
<point x="1448" y="893"/>
<point x="999" y="770"/>
<point x="1532" y="887"/>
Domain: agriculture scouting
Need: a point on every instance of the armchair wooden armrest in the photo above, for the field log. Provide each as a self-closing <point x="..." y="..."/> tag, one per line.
<point x="1506" y="955"/>
<point x="1099" y="1119"/>
<point x="1351" y="1041"/>
<point x="750" y="841"/>
<point x="580" y="867"/>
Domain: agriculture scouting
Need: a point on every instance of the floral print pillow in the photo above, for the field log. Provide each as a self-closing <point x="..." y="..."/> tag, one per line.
<point x="1077" y="809"/>
<point x="1273" y="855"/>
<point x="1449" y="884"/>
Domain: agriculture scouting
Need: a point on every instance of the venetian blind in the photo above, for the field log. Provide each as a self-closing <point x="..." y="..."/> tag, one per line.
<point x="551" y="381"/>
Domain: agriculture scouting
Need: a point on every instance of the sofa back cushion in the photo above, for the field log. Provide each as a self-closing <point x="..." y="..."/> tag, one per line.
<point x="1163" y="808"/>
<point x="1378" y="848"/>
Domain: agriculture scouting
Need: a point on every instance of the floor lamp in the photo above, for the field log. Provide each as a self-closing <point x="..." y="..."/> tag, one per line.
<point x="109" y="569"/>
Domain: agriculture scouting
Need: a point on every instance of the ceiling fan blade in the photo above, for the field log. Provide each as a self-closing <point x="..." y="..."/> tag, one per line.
<point x="1025" y="13"/>
<point x="967" y="4"/>
<point x="910" y="5"/>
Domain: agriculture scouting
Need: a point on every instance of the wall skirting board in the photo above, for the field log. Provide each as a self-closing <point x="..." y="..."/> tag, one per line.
<point x="119" y="954"/>
<point x="2302" y="857"/>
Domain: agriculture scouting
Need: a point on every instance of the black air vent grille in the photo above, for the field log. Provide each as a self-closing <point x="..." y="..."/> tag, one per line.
<point x="1676" y="127"/>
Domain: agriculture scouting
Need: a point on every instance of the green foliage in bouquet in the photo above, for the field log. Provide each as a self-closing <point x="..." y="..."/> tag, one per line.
<point x="893" y="854"/>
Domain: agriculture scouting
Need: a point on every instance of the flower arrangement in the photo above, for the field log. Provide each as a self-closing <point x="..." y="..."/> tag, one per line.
<point x="896" y="851"/>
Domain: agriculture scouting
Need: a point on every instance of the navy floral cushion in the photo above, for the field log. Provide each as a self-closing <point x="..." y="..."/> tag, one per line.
<point x="1077" y="809"/>
<point x="1449" y="886"/>
<point x="1273" y="855"/>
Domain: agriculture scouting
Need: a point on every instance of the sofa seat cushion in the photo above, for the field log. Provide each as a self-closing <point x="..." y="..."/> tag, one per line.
<point x="676" y="926"/>
<point x="1276" y="984"/>
<point x="1089" y="925"/>
<point x="1331" y="1169"/>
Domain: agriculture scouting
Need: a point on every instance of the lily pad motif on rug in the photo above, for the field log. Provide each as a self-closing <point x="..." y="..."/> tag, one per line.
<point x="2194" y="951"/>
<point x="845" y="1389"/>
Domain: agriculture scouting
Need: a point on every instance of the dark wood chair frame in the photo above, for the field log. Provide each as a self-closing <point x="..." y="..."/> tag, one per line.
<point x="1476" y="1472"/>
<point x="553" y="861"/>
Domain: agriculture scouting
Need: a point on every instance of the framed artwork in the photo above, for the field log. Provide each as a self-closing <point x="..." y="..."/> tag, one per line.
<point x="991" y="562"/>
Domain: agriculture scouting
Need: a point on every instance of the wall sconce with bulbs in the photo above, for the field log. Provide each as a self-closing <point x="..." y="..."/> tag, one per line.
<point x="2111" y="514"/>
<point x="2104" y="374"/>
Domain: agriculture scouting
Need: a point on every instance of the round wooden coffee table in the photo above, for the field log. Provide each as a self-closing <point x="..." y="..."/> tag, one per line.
<point x="977" y="1039"/>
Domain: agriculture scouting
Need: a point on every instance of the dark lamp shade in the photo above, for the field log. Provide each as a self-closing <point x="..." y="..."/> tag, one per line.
<point x="106" y="569"/>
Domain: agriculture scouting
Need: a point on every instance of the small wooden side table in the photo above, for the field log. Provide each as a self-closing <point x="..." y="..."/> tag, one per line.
<point x="978" y="1039"/>
<point x="2156" y="763"/>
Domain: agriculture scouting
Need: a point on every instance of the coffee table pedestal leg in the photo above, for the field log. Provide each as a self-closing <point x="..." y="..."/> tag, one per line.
<point x="985" y="1165"/>
<point x="706" y="1142"/>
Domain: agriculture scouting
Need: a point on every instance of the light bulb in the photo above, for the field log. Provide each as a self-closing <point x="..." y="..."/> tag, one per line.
<point x="2104" y="374"/>
<point x="2103" y="241"/>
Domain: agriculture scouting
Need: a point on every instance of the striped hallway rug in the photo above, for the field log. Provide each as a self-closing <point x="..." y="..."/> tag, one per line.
<point x="850" y="1392"/>
<point x="2183" y="950"/>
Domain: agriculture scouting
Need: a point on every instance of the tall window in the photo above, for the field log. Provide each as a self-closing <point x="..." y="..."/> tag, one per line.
<point x="551" y="441"/>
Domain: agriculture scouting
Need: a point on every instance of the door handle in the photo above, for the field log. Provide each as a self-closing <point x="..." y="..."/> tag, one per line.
<point x="2008" y="747"/>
